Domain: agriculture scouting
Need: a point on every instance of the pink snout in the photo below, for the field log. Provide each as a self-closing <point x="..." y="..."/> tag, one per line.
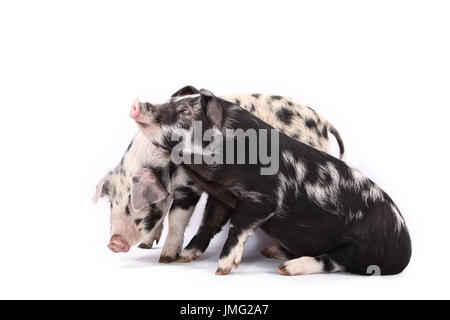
<point x="135" y="109"/>
<point x="117" y="244"/>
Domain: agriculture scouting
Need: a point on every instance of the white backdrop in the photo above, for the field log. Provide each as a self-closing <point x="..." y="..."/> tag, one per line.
<point x="380" y="71"/>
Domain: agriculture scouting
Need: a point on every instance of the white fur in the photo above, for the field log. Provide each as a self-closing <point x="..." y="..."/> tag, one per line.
<point x="284" y="182"/>
<point x="374" y="193"/>
<point x="190" y="254"/>
<point x="189" y="96"/>
<point x="321" y="194"/>
<point x="399" y="219"/>
<point x="238" y="188"/>
<point x="307" y="265"/>
<point x="236" y="252"/>
<point x="178" y="221"/>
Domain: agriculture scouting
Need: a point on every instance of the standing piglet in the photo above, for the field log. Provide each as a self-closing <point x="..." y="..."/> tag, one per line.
<point x="325" y="216"/>
<point x="141" y="221"/>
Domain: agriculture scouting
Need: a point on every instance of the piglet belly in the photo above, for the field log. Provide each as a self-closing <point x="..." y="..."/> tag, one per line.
<point x="301" y="239"/>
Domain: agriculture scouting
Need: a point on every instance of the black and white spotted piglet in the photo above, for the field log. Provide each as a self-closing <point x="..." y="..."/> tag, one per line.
<point x="324" y="215"/>
<point x="144" y="164"/>
<point x="134" y="220"/>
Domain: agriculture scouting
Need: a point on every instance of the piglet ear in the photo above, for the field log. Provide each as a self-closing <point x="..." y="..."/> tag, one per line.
<point x="102" y="188"/>
<point x="187" y="90"/>
<point x="146" y="189"/>
<point x="214" y="110"/>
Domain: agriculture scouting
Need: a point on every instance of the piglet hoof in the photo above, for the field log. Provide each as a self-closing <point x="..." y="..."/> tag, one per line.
<point x="183" y="259"/>
<point x="222" y="272"/>
<point x="143" y="245"/>
<point x="282" y="269"/>
<point x="273" y="252"/>
<point x="189" y="255"/>
<point x="167" y="259"/>
<point x="267" y="253"/>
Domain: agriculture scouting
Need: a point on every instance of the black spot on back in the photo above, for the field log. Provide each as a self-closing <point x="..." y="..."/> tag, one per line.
<point x="252" y="108"/>
<point x="285" y="115"/>
<point x="256" y="95"/>
<point x="325" y="132"/>
<point x="310" y="123"/>
<point x="276" y="97"/>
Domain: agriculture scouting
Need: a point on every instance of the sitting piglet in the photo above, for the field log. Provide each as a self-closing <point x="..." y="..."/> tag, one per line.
<point x="325" y="216"/>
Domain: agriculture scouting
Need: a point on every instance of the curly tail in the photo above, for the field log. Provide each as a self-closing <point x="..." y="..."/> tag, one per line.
<point x="337" y="136"/>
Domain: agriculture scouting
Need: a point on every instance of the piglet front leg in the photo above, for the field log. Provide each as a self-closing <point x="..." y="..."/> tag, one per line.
<point x="178" y="221"/>
<point x="215" y="216"/>
<point x="155" y="235"/>
<point x="247" y="217"/>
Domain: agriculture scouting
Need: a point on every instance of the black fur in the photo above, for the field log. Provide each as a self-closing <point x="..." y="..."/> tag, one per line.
<point x="172" y="169"/>
<point x="164" y="174"/>
<point x="216" y="214"/>
<point x="285" y="115"/>
<point x="129" y="146"/>
<point x="152" y="217"/>
<point x="325" y="132"/>
<point x="184" y="197"/>
<point x="310" y="123"/>
<point x="326" y="261"/>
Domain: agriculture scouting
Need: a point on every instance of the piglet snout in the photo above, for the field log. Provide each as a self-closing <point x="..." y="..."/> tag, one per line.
<point x="135" y="109"/>
<point x="117" y="244"/>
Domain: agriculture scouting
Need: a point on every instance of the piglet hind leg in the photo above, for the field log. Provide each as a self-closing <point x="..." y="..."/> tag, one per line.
<point x="273" y="252"/>
<point x="309" y="265"/>
<point x="244" y="221"/>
